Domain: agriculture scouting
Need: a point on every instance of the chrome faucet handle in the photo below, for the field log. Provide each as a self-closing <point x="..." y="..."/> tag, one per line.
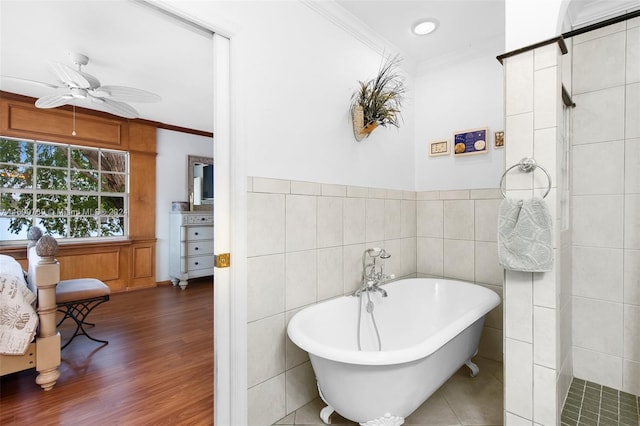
<point x="388" y="277"/>
<point x="382" y="291"/>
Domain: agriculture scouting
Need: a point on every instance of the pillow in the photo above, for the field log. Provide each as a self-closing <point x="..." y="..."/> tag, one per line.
<point x="19" y="319"/>
<point x="8" y="265"/>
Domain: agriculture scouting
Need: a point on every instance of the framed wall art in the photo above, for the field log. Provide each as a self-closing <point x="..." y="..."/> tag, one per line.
<point x="468" y="142"/>
<point x="498" y="138"/>
<point x="438" y="148"/>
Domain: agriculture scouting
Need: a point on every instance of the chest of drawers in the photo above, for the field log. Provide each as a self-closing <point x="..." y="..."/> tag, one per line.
<point x="190" y="246"/>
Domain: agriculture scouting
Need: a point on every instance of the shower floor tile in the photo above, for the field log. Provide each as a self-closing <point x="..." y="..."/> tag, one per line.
<point x="462" y="400"/>
<point x="589" y="404"/>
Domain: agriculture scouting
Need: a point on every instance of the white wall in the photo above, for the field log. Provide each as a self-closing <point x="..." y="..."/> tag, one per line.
<point x="531" y="21"/>
<point x="295" y="72"/>
<point x="458" y="97"/>
<point x="171" y="184"/>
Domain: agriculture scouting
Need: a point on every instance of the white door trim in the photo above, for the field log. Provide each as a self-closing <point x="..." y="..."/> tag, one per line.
<point x="230" y="180"/>
<point x="230" y="300"/>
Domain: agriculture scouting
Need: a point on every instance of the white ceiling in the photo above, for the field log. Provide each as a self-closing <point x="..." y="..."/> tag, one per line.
<point x="465" y="26"/>
<point x="128" y="45"/>
<point x="132" y="45"/>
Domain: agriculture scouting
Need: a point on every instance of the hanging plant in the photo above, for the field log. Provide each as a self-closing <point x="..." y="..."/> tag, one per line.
<point x="378" y="101"/>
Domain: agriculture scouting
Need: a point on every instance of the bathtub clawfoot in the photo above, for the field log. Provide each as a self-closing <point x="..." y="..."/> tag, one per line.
<point x="325" y="413"/>
<point x="386" y="420"/>
<point x="473" y="367"/>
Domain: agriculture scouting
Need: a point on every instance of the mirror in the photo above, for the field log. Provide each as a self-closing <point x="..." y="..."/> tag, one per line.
<point x="200" y="181"/>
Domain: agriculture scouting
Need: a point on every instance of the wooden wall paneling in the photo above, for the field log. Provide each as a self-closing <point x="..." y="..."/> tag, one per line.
<point x="142" y="195"/>
<point x="121" y="264"/>
<point x="55" y="125"/>
<point x="104" y="265"/>
<point x="143" y="264"/>
<point x="108" y="262"/>
<point x="4" y="115"/>
<point x="142" y="137"/>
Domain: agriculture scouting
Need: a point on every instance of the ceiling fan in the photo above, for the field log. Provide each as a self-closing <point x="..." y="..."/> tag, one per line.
<point x="80" y="86"/>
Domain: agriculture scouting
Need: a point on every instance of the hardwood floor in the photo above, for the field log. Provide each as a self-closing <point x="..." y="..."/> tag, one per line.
<point x="156" y="370"/>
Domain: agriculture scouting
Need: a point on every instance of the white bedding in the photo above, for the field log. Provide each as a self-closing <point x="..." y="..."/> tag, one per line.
<point x="18" y="318"/>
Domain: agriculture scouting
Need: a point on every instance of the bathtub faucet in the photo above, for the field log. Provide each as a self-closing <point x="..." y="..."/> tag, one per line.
<point x="372" y="274"/>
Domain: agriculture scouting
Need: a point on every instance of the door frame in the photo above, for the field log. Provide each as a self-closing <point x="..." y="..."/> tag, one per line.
<point x="230" y="180"/>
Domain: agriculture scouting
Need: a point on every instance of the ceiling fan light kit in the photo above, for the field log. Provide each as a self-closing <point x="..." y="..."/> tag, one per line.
<point x="81" y="86"/>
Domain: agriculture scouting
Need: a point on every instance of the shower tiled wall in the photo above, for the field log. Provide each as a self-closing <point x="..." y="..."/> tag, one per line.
<point x="457" y="234"/>
<point x="606" y="203"/>
<point x="534" y="313"/>
<point x="305" y="241"/>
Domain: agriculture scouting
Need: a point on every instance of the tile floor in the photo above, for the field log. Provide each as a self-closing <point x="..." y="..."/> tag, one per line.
<point x="462" y="400"/>
<point x="590" y="404"/>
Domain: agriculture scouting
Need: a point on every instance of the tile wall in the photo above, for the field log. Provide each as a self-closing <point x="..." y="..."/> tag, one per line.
<point x="535" y="382"/>
<point x="305" y="242"/>
<point x="606" y="203"/>
<point x="457" y="234"/>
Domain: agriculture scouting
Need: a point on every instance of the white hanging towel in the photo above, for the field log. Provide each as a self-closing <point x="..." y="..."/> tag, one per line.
<point x="525" y="235"/>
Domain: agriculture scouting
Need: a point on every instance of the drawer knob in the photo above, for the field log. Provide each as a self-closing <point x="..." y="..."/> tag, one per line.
<point x="196" y="249"/>
<point x="203" y="218"/>
<point x="196" y="263"/>
<point x="197" y="233"/>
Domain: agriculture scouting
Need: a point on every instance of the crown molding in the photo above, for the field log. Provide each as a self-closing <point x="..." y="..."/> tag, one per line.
<point x="586" y="13"/>
<point x="352" y="25"/>
<point x="489" y="48"/>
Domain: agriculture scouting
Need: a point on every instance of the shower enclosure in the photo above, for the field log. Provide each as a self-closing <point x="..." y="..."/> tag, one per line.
<point x="605" y="200"/>
<point x="573" y="104"/>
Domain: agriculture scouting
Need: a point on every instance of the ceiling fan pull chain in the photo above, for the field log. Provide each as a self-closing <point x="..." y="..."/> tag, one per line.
<point x="73" y="131"/>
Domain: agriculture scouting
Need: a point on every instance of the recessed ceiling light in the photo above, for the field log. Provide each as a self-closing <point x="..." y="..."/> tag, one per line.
<point x="424" y="27"/>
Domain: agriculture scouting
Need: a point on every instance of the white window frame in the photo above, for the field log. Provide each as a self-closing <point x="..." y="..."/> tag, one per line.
<point x="35" y="213"/>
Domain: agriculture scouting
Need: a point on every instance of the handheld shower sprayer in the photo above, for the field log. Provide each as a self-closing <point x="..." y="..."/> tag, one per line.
<point x="371" y="280"/>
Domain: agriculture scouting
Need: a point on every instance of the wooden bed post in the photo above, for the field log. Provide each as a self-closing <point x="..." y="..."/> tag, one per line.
<point x="47" y="276"/>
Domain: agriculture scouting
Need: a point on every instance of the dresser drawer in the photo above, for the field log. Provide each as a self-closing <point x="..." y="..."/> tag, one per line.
<point x="199" y="262"/>
<point x="193" y="219"/>
<point x="195" y="248"/>
<point x="199" y="233"/>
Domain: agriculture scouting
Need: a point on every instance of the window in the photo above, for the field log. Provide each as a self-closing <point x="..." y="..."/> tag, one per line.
<point x="69" y="191"/>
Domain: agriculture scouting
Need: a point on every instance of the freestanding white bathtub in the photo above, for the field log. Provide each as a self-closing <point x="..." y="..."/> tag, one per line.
<point x="429" y="328"/>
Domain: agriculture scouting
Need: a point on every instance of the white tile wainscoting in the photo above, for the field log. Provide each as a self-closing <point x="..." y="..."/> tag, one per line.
<point x="305" y="241"/>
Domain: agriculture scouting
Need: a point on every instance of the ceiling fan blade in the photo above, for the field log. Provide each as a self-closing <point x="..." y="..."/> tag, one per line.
<point x="69" y="76"/>
<point x="24" y="80"/>
<point x="53" y="101"/>
<point x="93" y="82"/>
<point x="123" y="93"/>
<point x="118" y="108"/>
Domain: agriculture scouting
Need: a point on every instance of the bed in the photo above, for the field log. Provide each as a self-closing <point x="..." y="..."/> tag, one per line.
<point x="24" y="345"/>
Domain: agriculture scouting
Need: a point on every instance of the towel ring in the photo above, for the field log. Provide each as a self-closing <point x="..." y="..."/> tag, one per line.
<point x="526" y="165"/>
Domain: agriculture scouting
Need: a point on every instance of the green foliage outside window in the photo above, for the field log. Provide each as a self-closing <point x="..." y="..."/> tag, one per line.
<point x="70" y="191"/>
